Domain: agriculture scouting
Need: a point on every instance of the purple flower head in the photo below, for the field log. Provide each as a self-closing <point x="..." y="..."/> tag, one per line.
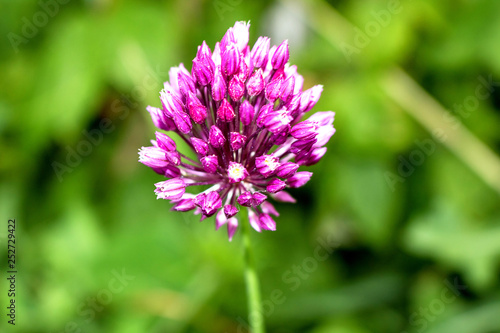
<point x="240" y="110"/>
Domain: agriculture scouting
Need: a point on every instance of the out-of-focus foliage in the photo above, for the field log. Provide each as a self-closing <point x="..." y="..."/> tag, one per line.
<point x="417" y="254"/>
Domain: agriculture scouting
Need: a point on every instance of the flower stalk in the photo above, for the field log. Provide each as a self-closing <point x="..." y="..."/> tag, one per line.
<point x="255" y="315"/>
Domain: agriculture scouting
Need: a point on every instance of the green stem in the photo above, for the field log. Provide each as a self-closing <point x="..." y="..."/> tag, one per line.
<point x="255" y="316"/>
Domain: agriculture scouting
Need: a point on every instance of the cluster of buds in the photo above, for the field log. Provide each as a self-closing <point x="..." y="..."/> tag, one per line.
<point x="240" y="111"/>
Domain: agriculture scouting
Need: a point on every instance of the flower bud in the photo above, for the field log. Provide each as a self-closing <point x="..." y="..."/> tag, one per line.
<point x="314" y="157"/>
<point x="153" y="157"/>
<point x="165" y="142"/>
<point x="268" y="208"/>
<point x="245" y="199"/>
<point x="241" y="34"/>
<point x="323" y="118"/>
<point x="203" y="51"/>
<point x="255" y="83"/>
<point x="182" y="122"/>
<point x="219" y="86"/>
<point x="197" y="111"/>
<point x="326" y="129"/>
<point x="275" y="185"/>
<point x="273" y="89"/>
<point x="248" y="199"/>
<point x="260" y="52"/>
<point x="160" y="120"/>
<point x="299" y="179"/>
<point x="280" y="137"/>
<point x="173" y="157"/>
<point x="247" y="113"/>
<point x="253" y="219"/>
<point x="281" y="56"/>
<point x="184" y="205"/>
<point x="236" y="88"/>
<point x="263" y="112"/>
<point x="258" y="198"/>
<point x="302" y="146"/>
<point x="305" y="130"/>
<point x="199" y="200"/>
<point x="211" y="203"/>
<point x="216" y="137"/>
<point x="230" y="211"/>
<point x="293" y="104"/>
<point x="220" y="219"/>
<point x="310" y="97"/>
<point x="244" y="70"/>
<point x="171" y="103"/>
<point x="277" y="121"/>
<point x="171" y="171"/>
<point x="210" y="163"/>
<point x="232" y="226"/>
<point x="227" y="40"/>
<point x="286" y="90"/>
<point x="267" y="164"/>
<point x="236" y="140"/>
<point x="186" y="84"/>
<point x="283" y="197"/>
<point x="200" y="146"/>
<point x="287" y="169"/>
<point x="172" y="189"/>
<point x="225" y="111"/>
<point x="230" y="60"/>
<point x="267" y="222"/>
<point x="203" y="70"/>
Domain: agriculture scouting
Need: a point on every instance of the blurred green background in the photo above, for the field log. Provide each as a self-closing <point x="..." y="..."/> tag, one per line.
<point x="408" y="193"/>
